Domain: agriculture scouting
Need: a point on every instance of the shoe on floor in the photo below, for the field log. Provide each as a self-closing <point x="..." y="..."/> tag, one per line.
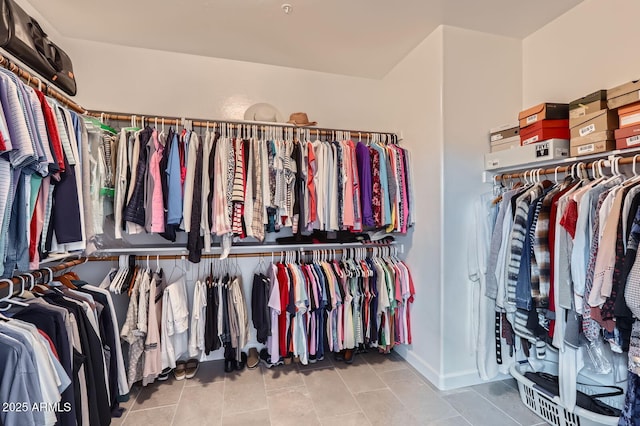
<point x="265" y="359"/>
<point x="229" y="365"/>
<point x="191" y="368"/>
<point x="164" y="375"/>
<point x="180" y="372"/>
<point x="243" y="361"/>
<point x="253" y="360"/>
<point x="348" y="356"/>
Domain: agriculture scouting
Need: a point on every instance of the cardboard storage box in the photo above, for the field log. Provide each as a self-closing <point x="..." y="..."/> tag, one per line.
<point x="553" y="149"/>
<point x="503" y="144"/>
<point x="504" y="132"/>
<point x="607" y="135"/>
<point x="629" y="115"/>
<point x="596" y="122"/>
<point x="592" y="148"/>
<point x="589" y="108"/>
<point x="592" y="102"/>
<point x="628" y="137"/>
<point x="544" y="130"/>
<point x="624" y="94"/>
<point x="598" y="95"/>
<point x="547" y="111"/>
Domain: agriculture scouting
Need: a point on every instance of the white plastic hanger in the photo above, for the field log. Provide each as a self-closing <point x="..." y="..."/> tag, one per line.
<point x="10" y="302"/>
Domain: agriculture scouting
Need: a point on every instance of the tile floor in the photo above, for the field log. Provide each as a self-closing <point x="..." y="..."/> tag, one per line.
<point x="374" y="390"/>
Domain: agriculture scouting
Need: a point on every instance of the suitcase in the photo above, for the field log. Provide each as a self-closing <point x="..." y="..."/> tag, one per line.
<point x="22" y="36"/>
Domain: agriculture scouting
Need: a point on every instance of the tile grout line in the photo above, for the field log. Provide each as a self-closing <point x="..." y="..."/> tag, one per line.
<point x="173" y="419"/>
<point x="264" y="385"/>
<point x="133" y="403"/>
<point x="153" y="408"/>
<point x="499" y="409"/>
<point x="224" y="389"/>
<point x="354" y="396"/>
<point x="315" y="409"/>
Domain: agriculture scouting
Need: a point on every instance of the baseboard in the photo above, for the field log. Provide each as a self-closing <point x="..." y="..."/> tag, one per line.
<point x="447" y="381"/>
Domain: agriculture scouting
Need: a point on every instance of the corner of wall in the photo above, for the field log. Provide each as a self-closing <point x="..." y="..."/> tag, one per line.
<point x="413" y="100"/>
<point x="477" y="95"/>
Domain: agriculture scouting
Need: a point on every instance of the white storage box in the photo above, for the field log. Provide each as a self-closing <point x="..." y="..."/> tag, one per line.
<point x="552" y="149"/>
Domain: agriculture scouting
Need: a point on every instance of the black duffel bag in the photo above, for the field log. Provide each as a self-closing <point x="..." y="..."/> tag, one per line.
<point x="22" y="36"/>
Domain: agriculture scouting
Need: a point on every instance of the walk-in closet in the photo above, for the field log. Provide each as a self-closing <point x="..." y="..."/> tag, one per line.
<point x="267" y="213"/>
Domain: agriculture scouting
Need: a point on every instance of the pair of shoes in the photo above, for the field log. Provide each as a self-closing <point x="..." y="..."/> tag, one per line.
<point x="185" y="369"/>
<point x="233" y="364"/>
<point x="345" y="355"/>
<point x="253" y="360"/>
<point x="265" y="359"/>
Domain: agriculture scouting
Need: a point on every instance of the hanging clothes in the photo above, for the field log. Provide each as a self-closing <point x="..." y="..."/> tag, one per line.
<point x="336" y="302"/>
<point x="256" y="185"/>
<point x="64" y="343"/>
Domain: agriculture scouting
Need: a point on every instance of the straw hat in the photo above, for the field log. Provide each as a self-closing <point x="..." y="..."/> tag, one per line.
<point x="301" y="119"/>
<point x="263" y="112"/>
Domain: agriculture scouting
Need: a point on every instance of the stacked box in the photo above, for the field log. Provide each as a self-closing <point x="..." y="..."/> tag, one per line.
<point x="504" y="137"/>
<point x="592" y="124"/>
<point x="543" y="122"/>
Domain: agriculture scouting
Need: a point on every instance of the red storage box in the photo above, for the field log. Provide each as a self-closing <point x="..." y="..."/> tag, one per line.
<point x="629" y="115"/>
<point x="544" y="130"/>
<point x="628" y="137"/>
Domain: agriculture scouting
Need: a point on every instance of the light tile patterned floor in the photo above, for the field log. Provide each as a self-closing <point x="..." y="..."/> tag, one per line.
<point x="374" y="390"/>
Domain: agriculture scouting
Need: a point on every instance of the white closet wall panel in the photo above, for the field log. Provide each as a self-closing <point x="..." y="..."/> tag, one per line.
<point x="415" y="85"/>
<point x="120" y="78"/>
<point x="590" y="47"/>
<point x="482" y="88"/>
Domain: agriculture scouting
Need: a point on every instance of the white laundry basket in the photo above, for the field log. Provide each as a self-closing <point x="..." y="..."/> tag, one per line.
<point x="549" y="407"/>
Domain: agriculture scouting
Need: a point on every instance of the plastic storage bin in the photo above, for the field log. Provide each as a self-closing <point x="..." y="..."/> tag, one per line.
<point x="549" y="408"/>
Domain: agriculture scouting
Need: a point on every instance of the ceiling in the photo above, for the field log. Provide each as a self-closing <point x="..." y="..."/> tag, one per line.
<point x="365" y="38"/>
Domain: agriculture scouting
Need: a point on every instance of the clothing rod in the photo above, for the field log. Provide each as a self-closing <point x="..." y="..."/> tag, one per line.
<point x="250" y="250"/>
<point x="562" y="169"/>
<point x="276" y="253"/>
<point x="117" y="116"/>
<point x="39" y="273"/>
<point x="37" y="83"/>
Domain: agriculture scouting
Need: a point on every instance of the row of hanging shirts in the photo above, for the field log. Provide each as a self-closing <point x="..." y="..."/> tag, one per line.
<point x="162" y="328"/>
<point x="218" y="184"/>
<point x="561" y="266"/>
<point x="44" y="177"/>
<point x="60" y="339"/>
<point x="304" y="307"/>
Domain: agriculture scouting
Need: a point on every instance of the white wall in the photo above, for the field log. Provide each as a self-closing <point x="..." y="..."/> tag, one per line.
<point x="482" y="89"/>
<point x="446" y="94"/>
<point x="126" y="79"/>
<point x="413" y="97"/>
<point x="590" y="47"/>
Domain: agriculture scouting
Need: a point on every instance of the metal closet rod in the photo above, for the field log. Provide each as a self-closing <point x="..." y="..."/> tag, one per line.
<point x="216" y="255"/>
<point x="36" y="82"/>
<point x="118" y="116"/>
<point x="561" y="169"/>
<point x="40" y="273"/>
<point x="283" y="249"/>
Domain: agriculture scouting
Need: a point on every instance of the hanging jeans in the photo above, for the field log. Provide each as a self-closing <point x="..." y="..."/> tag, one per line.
<point x="17" y="240"/>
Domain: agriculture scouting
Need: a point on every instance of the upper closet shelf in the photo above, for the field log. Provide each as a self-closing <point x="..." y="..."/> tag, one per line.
<point x="490" y="172"/>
